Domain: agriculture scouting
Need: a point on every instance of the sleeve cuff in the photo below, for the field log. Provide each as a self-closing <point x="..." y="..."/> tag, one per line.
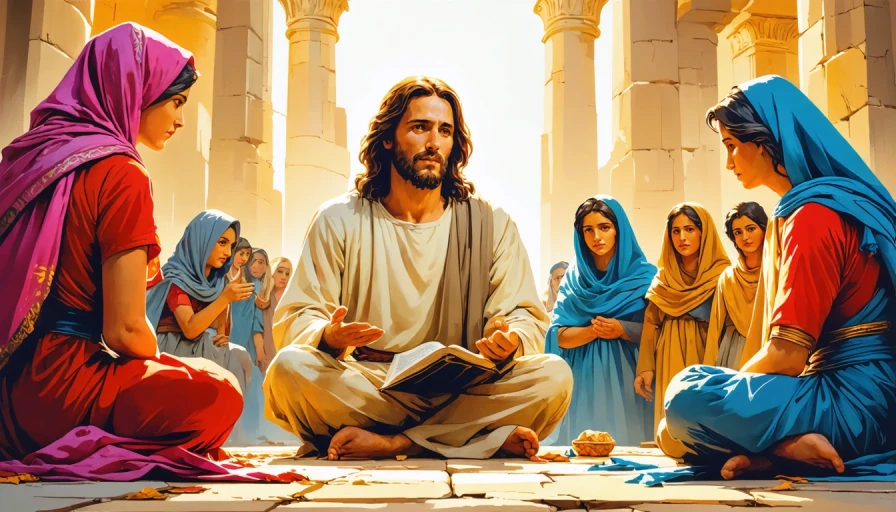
<point x="793" y="335"/>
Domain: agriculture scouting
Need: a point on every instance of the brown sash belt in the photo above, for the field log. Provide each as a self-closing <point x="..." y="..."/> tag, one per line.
<point x="370" y="354"/>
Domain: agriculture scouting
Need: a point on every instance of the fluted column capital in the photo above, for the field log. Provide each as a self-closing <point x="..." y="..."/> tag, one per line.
<point x="570" y="15"/>
<point x="200" y="10"/>
<point x="771" y="34"/>
<point x="313" y="15"/>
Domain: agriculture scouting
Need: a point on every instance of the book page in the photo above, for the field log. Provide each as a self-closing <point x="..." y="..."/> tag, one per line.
<point x="405" y="360"/>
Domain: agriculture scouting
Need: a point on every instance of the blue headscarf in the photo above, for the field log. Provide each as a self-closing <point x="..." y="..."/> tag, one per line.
<point x="620" y="291"/>
<point x="186" y="268"/>
<point x="823" y="167"/>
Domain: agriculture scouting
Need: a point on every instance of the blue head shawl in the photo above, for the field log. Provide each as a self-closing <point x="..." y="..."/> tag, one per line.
<point x="186" y="268"/>
<point x="823" y="167"/>
<point x="584" y="294"/>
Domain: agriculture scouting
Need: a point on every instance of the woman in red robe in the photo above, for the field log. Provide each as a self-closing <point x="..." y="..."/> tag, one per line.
<point x="75" y="345"/>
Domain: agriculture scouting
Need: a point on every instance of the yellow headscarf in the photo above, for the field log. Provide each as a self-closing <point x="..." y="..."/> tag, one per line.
<point x="734" y="300"/>
<point x="669" y="289"/>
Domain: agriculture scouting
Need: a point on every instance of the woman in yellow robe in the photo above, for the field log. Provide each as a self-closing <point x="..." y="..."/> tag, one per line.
<point x="679" y="301"/>
<point x="732" y="308"/>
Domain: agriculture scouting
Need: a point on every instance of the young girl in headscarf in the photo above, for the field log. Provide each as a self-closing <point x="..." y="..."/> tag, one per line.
<point x="680" y="299"/>
<point x="826" y="297"/>
<point x="554" y="278"/>
<point x="597" y="326"/>
<point x="77" y="227"/>
<point x="281" y="271"/>
<point x="247" y="331"/>
<point x="732" y="306"/>
<point x="195" y="292"/>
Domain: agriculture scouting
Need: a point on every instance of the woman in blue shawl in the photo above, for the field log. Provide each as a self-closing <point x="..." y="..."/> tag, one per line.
<point x="596" y="326"/>
<point x="247" y="331"/>
<point x="825" y="296"/>
<point x="194" y="295"/>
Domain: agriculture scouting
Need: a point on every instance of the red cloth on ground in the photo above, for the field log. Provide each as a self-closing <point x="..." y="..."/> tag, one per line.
<point x="828" y="279"/>
<point x="61" y="381"/>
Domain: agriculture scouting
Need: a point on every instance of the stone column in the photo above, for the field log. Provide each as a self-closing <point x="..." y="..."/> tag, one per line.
<point x="698" y="91"/>
<point x="180" y="171"/>
<point x="241" y="179"/>
<point x="317" y="161"/>
<point x="649" y="178"/>
<point x="569" y="143"/>
<point x="40" y="41"/>
<point x="846" y="68"/>
<point x="760" y="40"/>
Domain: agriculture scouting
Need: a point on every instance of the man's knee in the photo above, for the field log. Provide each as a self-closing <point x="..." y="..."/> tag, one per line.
<point x="554" y="376"/>
<point x="294" y="359"/>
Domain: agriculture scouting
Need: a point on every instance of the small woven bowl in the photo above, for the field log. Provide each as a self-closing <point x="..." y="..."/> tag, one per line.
<point x="593" y="448"/>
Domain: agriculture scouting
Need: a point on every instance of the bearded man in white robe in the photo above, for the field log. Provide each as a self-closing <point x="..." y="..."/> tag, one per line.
<point x="413" y="255"/>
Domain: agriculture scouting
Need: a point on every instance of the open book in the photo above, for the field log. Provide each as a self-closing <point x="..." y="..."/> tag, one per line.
<point x="433" y="368"/>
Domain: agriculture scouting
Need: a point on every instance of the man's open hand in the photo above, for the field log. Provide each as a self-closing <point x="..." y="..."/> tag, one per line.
<point x="501" y="344"/>
<point x="338" y="335"/>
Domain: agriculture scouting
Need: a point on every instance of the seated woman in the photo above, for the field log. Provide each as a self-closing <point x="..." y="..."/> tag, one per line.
<point x="732" y="307"/>
<point x="680" y="299"/>
<point x="78" y="231"/>
<point x="827" y="297"/>
<point x="597" y="326"/>
<point x="195" y="293"/>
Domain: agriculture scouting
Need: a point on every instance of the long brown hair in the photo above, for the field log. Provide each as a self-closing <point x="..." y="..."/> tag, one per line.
<point x="373" y="184"/>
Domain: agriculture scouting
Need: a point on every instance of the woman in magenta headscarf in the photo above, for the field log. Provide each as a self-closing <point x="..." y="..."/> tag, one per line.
<point x="76" y="223"/>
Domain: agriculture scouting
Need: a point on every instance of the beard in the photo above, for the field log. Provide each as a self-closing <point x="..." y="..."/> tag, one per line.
<point x="423" y="179"/>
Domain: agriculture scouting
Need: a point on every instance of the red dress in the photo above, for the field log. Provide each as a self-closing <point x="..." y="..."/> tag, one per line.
<point x="825" y="278"/>
<point x="60" y="381"/>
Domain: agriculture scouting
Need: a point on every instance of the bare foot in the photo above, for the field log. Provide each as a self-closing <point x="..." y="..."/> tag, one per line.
<point x="814" y="449"/>
<point x="745" y="464"/>
<point x="357" y="443"/>
<point x="522" y="442"/>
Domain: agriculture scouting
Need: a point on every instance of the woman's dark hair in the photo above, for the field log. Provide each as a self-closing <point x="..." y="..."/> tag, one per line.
<point x="738" y="116"/>
<point x="749" y="209"/>
<point x="592" y="205"/>
<point x="184" y="81"/>
<point x="689" y="212"/>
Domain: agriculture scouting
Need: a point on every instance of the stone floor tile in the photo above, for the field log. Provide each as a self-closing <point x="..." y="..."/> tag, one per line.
<point x="689" y="507"/>
<point x="613" y="490"/>
<point x="391" y="464"/>
<point x="515" y="466"/>
<point x="476" y="484"/>
<point x="56" y="495"/>
<point x="385" y="476"/>
<point x="732" y="484"/>
<point x="446" y="505"/>
<point x="316" y="472"/>
<point x="779" y="499"/>
<point x="340" y="491"/>
<point x="851" y="501"/>
<point x="873" y="487"/>
<point x="180" y="506"/>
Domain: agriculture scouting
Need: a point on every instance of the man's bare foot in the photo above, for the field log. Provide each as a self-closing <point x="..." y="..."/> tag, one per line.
<point x="814" y="449"/>
<point x="522" y="442"/>
<point x="357" y="443"/>
<point x="745" y="464"/>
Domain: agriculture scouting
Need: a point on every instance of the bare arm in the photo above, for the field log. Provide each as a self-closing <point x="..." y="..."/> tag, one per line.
<point x="126" y="330"/>
<point x="780" y="357"/>
<point x="193" y="324"/>
<point x="572" y="337"/>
